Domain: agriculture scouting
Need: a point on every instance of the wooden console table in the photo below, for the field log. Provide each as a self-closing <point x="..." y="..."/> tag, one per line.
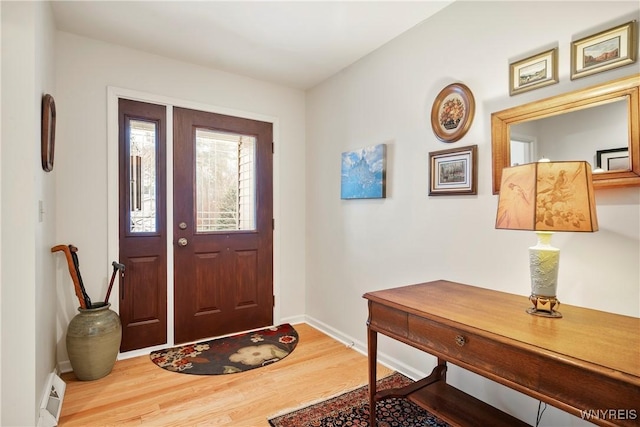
<point x="587" y="363"/>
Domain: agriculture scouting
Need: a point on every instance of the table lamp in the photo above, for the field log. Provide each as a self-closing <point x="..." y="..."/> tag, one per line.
<point x="546" y="197"/>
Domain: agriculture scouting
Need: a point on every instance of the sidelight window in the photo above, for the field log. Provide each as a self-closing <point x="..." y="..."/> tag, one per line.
<point x="142" y="175"/>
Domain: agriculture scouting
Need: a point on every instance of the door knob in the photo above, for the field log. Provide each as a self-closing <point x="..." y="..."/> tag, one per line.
<point x="182" y="241"/>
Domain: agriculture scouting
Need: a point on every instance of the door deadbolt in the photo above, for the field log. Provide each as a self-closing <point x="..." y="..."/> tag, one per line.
<point x="182" y="241"/>
<point x="182" y="226"/>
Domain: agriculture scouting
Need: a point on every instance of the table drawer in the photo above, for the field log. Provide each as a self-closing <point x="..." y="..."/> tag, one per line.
<point x="479" y="354"/>
<point x="613" y="394"/>
<point x="387" y="319"/>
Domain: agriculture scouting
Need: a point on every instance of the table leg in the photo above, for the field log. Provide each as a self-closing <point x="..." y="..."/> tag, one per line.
<point x="442" y="362"/>
<point x="372" y="350"/>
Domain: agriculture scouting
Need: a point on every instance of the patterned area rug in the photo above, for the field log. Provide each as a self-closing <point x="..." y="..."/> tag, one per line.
<point x="352" y="409"/>
<point x="231" y="354"/>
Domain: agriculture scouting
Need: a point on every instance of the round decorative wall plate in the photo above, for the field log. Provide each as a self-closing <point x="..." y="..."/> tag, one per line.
<point x="452" y="112"/>
<point x="48" y="135"/>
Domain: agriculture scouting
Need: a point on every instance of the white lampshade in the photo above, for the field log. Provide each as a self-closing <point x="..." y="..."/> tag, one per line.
<point x="547" y="196"/>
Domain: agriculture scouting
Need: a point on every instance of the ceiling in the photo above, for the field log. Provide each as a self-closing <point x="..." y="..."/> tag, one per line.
<point x="293" y="43"/>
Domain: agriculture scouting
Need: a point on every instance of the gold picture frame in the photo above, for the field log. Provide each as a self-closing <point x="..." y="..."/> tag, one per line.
<point x="534" y="72"/>
<point x="604" y="51"/>
<point x="453" y="171"/>
<point x="452" y="112"/>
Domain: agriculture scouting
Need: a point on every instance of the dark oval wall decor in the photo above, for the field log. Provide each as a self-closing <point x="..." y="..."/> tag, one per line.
<point x="452" y="112"/>
<point x="48" y="132"/>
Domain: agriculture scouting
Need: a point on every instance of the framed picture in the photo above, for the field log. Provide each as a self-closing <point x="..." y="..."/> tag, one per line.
<point x="453" y="171"/>
<point x="603" y="51"/>
<point x="534" y="72"/>
<point x="614" y="159"/>
<point x="452" y="112"/>
<point x="363" y="173"/>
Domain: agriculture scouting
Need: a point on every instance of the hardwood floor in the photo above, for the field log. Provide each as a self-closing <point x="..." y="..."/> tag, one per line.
<point x="137" y="392"/>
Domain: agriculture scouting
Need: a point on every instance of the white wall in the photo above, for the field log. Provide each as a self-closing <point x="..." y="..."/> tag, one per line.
<point x="46" y="295"/>
<point x="85" y="69"/>
<point x="28" y="291"/>
<point x="358" y="246"/>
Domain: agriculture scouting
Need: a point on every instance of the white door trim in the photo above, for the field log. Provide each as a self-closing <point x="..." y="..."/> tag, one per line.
<point x="113" y="94"/>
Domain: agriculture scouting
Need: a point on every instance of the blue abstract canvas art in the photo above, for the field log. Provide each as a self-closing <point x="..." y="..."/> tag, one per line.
<point x="363" y="173"/>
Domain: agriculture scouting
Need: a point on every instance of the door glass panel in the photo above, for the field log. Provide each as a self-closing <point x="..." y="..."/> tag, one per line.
<point x="225" y="181"/>
<point x="142" y="176"/>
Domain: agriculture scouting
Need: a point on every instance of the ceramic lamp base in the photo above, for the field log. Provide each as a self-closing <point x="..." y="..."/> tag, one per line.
<point x="544" y="261"/>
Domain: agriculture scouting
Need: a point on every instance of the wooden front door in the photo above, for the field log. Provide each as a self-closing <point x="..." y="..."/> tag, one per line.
<point x="223" y="229"/>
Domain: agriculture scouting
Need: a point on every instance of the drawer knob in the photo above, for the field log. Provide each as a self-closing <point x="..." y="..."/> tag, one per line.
<point x="460" y="340"/>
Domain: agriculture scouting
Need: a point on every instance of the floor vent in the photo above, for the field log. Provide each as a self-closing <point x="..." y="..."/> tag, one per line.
<point x="51" y="405"/>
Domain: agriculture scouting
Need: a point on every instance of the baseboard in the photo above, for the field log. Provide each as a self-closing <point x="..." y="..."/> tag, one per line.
<point x="347" y="340"/>
<point x="361" y="347"/>
<point x="292" y="320"/>
<point x="64" y="367"/>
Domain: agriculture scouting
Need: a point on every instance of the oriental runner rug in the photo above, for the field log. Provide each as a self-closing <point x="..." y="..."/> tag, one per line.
<point x="352" y="409"/>
<point x="229" y="355"/>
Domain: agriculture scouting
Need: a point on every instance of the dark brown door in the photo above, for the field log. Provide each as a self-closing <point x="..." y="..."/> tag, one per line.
<point x="143" y="235"/>
<point x="223" y="232"/>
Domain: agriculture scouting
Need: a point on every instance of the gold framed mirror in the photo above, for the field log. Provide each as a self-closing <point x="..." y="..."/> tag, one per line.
<point x="618" y="97"/>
